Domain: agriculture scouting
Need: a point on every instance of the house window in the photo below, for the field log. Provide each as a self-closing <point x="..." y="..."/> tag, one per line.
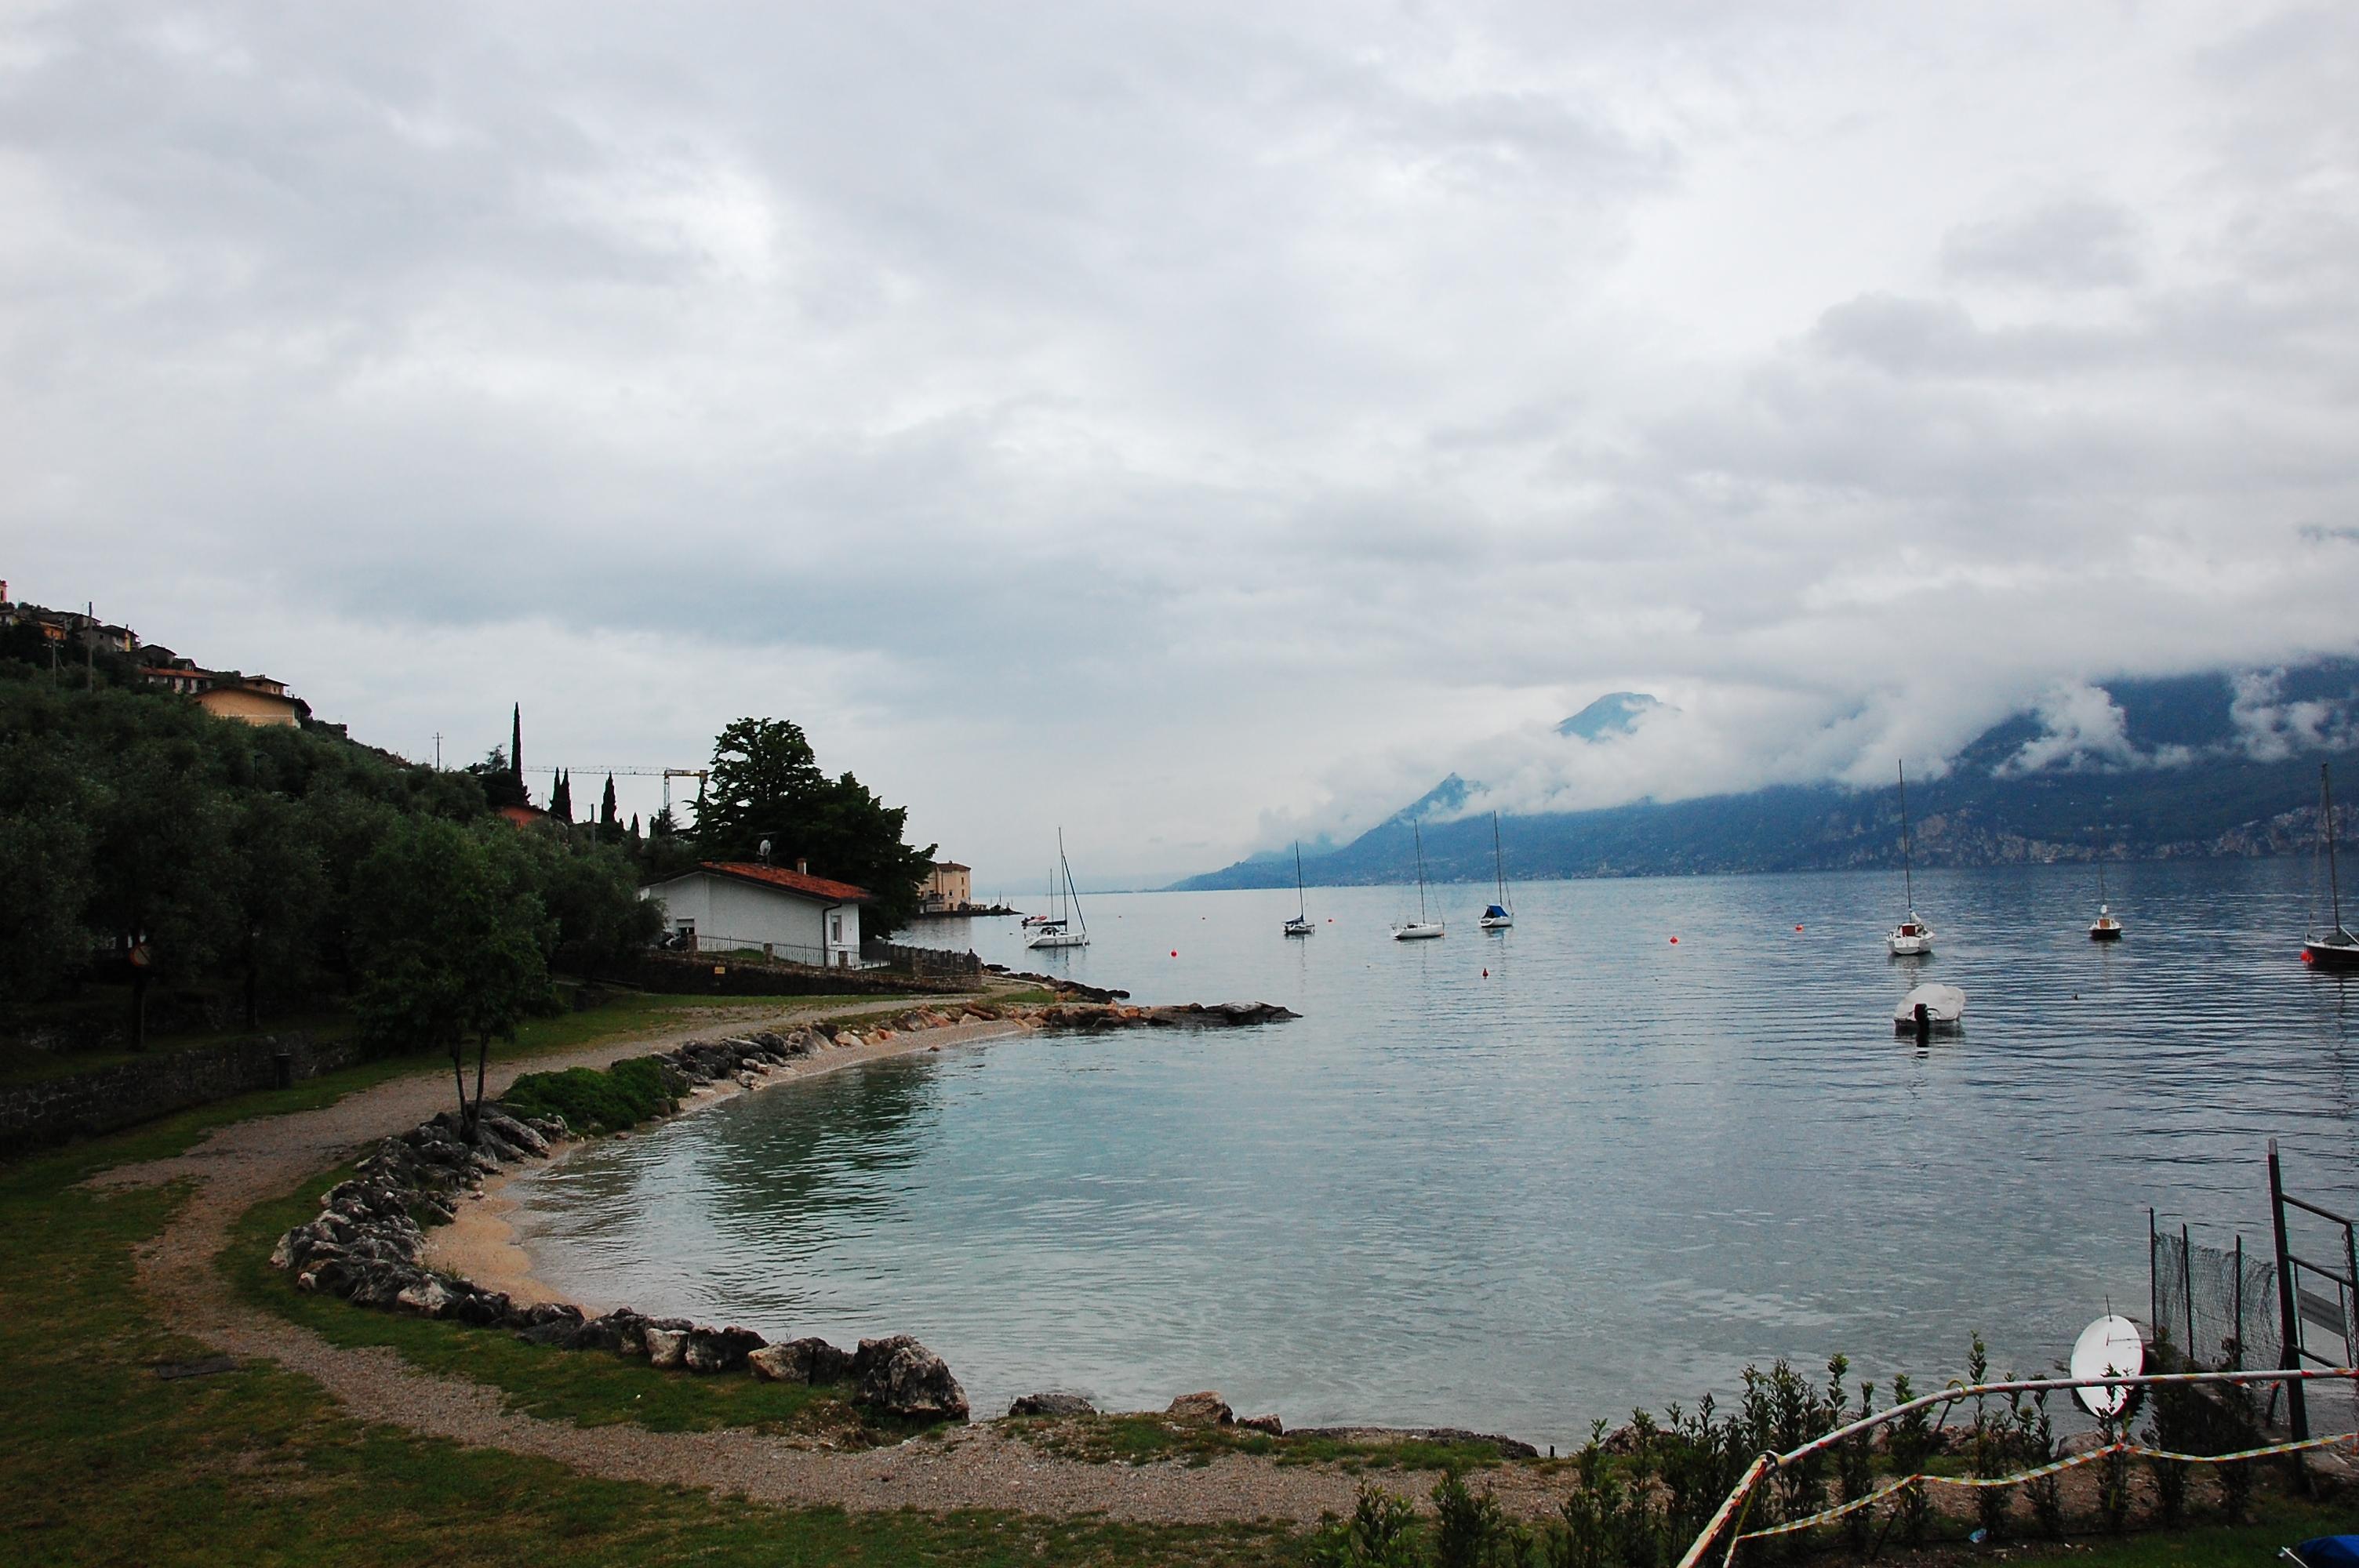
<point x="836" y="922"/>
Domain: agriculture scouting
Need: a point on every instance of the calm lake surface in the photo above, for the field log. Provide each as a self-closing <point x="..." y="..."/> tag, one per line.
<point x="1611" y="1170"/>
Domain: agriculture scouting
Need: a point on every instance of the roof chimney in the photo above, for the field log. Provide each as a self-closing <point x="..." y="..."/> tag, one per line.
<point x="802" y="868"/>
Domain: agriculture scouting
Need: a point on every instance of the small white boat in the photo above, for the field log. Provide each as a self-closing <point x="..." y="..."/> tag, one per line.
<point x="1420" y="929"/>
<point x="1912" y="938"/>
<point x="1499" y="917"/>
<point x="1945" y="1009"/>
<point x="1056" y="931"/>
<point x="1301" y="925"/>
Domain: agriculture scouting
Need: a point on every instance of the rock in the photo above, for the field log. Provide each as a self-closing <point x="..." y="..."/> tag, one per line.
<point x="1269" y="1424"/>
<point x="1052" y="1404"/>
<point x="511" y="1130"/>
<point x="719" y="1349"/>
<point x="850" y="1041"/>
<point x="901" y="1376"/>
<point x="1206" y="1408"/>
<point x="667" y="1346"/>
<point x="800" y="1361"/>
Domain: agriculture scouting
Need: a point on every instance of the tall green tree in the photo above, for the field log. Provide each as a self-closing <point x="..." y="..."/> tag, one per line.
<point x="456" y="944"/>
<point x="45" y="868"/>
<point x="278" y="889"/>
<point x="163" y="864"/>
<point x="766" y="783"/>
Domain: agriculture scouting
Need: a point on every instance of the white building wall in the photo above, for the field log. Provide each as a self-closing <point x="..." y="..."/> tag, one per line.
<point x="733" y="914"/>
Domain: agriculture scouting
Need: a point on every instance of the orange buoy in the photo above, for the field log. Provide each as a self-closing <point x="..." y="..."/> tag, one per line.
<point x="1675" y="941"/>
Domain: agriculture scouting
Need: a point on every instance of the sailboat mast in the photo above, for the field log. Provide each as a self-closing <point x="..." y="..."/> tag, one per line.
<point x="1420" y="871"/>
<point x="1908" y="881"/>
<point x="1302" y="905"/>
<point x="1498" y="861"/>
<point x="2326" y="814"/>
<point x="1072" y="899"/>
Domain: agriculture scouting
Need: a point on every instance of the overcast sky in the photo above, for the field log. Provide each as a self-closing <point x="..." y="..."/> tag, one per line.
<point x="1191" y="424"/>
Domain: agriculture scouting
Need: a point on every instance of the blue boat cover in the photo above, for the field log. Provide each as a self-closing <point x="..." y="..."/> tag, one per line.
<point x="2330" y="1552"/>
<point x="1493" y="912"/>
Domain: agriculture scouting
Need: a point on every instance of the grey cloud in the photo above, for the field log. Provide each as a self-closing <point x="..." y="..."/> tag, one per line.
<point x="2073" y="242"/>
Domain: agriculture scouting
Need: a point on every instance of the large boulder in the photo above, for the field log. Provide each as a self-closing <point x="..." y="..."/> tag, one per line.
<point x="719" y="1349"/>
<point x="800" y="1361"/>
<point x="667" y="1346"/>
<point x="901" y="1376"/>
<point x="1207" y="1407"/>
<point x="1051" y="1404"/>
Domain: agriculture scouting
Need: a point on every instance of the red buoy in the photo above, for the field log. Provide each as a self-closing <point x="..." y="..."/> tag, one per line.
<point x="1675" y="941"/>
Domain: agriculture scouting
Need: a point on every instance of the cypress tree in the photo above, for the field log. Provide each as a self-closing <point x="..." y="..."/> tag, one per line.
<point x="607" y="816"/>
<point x="516" y="747"/>
<point x="560" y="797"/>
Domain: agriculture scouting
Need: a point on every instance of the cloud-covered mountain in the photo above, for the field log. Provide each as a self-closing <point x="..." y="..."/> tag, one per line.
<point x="2218" y="764"/>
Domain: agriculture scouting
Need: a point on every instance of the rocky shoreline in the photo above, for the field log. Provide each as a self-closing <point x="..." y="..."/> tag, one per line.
<point x="368" y="1247"/>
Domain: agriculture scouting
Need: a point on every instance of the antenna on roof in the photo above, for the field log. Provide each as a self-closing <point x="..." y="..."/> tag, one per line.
<point x="764" y="852"/>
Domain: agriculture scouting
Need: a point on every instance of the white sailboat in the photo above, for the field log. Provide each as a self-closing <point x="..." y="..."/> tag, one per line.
<point x="1059" y="930"/>
<point x="2104" y="928"/>
<point x="1301" y="925"/>
<point x="1912" y="937"/>
<point x="2338" y="949"/>
<point x="1498" y="917"/>
<point x="1421" y="928"/>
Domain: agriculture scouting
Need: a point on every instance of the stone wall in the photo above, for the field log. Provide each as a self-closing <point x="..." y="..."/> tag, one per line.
<point x="682" y="974"/>
<point x="935" y="963"/>
<point x="86" y="1104"/>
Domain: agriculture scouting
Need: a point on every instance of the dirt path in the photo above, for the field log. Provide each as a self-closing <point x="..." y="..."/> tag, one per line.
<point x="976" y="1467"/>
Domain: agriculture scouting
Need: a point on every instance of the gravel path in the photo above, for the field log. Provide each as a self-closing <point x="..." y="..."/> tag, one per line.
<point x="976" y="1466"/>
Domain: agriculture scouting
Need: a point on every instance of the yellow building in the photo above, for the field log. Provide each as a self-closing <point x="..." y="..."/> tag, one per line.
<point x="951" y="886"/>
<point x="253" y="700"/>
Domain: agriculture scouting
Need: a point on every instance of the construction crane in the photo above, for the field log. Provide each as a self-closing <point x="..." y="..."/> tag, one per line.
<point x="666" y="774"/>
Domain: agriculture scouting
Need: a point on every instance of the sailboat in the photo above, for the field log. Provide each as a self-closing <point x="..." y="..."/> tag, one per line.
<point x="1044" y="917"/>
<point x="1058" y="931"/>
<point x="2338" y="949"/>
<point x="1498" y="917"/>
<point x="1301" y="925"/>
<point x="2104" y="928"/>
<point x="1421" y="928"/>
<point x="1912" y="937"/>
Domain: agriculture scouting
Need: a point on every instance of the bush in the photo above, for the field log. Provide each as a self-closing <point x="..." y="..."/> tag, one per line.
<point x="625" y="1095"/>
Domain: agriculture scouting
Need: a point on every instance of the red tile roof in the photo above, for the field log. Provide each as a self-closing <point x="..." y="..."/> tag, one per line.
<point x="792" y="881"/>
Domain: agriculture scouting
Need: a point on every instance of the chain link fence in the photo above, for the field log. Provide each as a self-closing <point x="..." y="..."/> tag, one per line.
<point x="2218" y="1305"/>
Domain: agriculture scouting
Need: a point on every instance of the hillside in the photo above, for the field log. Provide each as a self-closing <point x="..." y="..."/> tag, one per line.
<point x="2201" y="780"/>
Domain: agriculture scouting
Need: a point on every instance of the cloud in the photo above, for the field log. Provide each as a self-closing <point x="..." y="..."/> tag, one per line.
<point x="2082" y="729"/>
<point x="1186" y="422"/>
<point x="2272" y="729"/>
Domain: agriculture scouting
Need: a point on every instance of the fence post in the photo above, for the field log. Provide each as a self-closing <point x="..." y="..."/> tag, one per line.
<point x="2187" y="1283"/>
<point x="2289" y="1318"/>
<point x="2237" y="1358"/>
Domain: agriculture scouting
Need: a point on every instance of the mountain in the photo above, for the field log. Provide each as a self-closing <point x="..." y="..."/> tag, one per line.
<point x="1615" y="713"/>
<point x="2212" y="764"/>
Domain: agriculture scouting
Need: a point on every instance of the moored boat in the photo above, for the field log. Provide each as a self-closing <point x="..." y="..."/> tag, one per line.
<point x="1945" y="1009"/>
<point x="1499" y="917"/>
<point x="1058" y="930"/>
<point x="1301" y="925"/>
<point x="1912" y="938"/>
<point x="1420" y="929"/>
<point x="2338" y="949"/>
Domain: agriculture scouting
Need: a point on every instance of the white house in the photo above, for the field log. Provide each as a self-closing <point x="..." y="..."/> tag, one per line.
<point x="738" y="905"/>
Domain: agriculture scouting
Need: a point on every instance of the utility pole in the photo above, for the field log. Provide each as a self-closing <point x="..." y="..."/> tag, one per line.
<point x="438" y="751"/>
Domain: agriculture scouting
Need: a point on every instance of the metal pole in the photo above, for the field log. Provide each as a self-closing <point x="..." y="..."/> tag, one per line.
<point x="2289" y="1320"/>
<point x="2350" y="1296"/>
<point x="2187" y="1283"/>
<point x="2153" y="1275"/>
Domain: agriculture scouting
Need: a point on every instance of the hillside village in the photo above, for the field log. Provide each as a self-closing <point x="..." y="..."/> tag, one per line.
<point x="65" y="639"/>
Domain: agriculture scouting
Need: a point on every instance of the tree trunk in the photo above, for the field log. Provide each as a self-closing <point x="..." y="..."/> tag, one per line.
<point x="253" y="981"/>
<point x="459" y="1073"/>
<point x="139" y="1010"/>
<point x="483" y="1056"/>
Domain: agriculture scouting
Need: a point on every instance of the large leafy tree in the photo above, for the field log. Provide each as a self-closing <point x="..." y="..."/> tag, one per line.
<point x="766" y="783"/>
<point x="455" y="943"/>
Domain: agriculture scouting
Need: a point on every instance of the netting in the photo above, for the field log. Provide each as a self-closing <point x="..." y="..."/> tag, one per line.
<point x="2219" y="1307"/>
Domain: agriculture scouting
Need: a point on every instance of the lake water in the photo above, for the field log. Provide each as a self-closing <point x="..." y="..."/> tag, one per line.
<point x="1523" y="1180"/>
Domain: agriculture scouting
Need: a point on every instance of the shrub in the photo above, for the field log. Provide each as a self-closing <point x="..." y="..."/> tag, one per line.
<point x="629" y="1092"/>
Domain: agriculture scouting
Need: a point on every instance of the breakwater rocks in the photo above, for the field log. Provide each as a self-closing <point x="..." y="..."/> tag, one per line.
<point x="1190" y="1015"/>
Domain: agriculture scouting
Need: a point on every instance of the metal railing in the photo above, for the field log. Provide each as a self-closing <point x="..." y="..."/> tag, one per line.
<point x="1732" y="1511"/>
<point x="750" y="948"/>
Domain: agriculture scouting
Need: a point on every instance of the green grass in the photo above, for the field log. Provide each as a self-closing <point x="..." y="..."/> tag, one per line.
<point x="108" y="1464"/>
